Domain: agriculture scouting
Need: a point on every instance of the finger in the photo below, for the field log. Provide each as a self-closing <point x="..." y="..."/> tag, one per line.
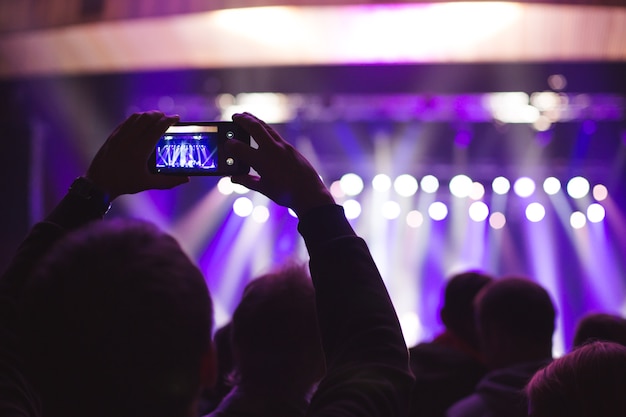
<point x="126" y="124"/>
<point x="254" y="127"/>
<point x="155" y="130"/>
<point x="242" y="152"/>
<point x="268" y="128"/>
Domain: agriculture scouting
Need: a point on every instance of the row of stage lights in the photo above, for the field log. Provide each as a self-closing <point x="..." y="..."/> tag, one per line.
<point x="461" y="186"/>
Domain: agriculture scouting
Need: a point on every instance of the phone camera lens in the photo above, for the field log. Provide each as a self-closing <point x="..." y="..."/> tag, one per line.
<point x="230" y="134"/>
<point x="230" y="161"/>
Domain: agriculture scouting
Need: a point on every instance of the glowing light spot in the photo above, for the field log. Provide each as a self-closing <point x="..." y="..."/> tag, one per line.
<point x="292" y="213"/>
<point x="500" y="185"/>
<point x="243" y="207"/>
<point x="391" y="210"/>
<point x="551" y="186"/>
<point x="430" y="184"/>
<point x="477" y="191"/>
<point x="381" y="182"/>
<point x="352" y="208"/>
<point x="460" y="186"/>
<point x="535" y="212"/>
<point x="524" y="187"/>
<point x="438" y="211"/>
<point x="336" y="190"/>
<point x="595" y="213"/>
<point x="497" y="220"/>
<point x="351" y="184"/>
<point x="577" y="220"/>
<point x="414" y="219"/>
<point x="578" y="187"/>
<point x="260" y="214"/>
<point x="557" y="82"/>
<point x="600" y="192"/>
<point x="478" y="211"/>
<point x="225" y="186"/>
<point x="405" y="185"/>
<point x="240" y="189"/>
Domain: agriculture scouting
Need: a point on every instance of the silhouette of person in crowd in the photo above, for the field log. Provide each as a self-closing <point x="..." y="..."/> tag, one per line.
<point x="590" y="381"/>
<point x="276" y="347"/>
<point x="515" y="322"/>
<point x="98" y="282"/>
<point x="448" y="368"/>
<point x="600" y="326"/>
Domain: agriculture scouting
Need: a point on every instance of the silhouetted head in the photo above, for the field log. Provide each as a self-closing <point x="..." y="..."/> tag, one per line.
<point x="276" y="341"/>
<point x="117" y="321"/>
<point x="588" y="382"/>
<point x="600" y="326"/>
<point x="515" y="322"/>
<point x="457" y="313"/>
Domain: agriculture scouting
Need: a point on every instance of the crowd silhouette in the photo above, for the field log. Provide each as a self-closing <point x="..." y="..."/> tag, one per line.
<point x="109" y="317"/>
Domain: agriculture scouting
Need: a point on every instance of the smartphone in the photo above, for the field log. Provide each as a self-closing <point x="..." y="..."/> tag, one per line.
<point x="197" y="148"/>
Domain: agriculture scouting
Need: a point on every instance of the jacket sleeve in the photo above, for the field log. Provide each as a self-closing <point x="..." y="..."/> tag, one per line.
<point x="367" y="358"/>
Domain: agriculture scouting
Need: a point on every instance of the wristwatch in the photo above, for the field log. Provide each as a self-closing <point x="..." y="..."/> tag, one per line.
<point x="85" y="189"/>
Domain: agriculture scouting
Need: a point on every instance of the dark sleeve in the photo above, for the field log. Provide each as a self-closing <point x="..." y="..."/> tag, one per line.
<point x="17" y="398"/>
<point x="367" y="359"/>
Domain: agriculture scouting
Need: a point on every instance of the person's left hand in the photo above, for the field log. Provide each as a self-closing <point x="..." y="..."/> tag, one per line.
<point x="121" y="164"/>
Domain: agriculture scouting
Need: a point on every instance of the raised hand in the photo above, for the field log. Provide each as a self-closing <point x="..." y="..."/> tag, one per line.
<point x="121" y="164"/>
<point x="285" y="176"/>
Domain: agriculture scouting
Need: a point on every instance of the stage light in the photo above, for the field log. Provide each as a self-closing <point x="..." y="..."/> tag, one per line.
<point x="438" y="211"/>
<point x="414" y="219"/>
<point x="429" y="184"/>
<point x="391" y="210"/>
<point x="405" y="185"/>
<point x="500" y="185"/>
<point x="352" y="209"/>
<point x="478" y="211"/>
<point x="411" y="328"/>
<point x="460" y="185"/>
<point x="260" y="214"/>
<point x="240" y="189"/>
<point x="243" y="207"/>
<point x="595" y="213"/>
<point x="577" y="187"/>
<point x="497" y="220"/>
<point x="351" y="184"/>
<point x="336" y="191"/>
<point x="477" y="191"/>
<point x="600" y="192"/>
<point x="524" y="187"/>
<point x="577" y="220"/>
<point x="225" y="186"/>
<point x="381" y="182"/>
<point x="535" y="212"/>
<point x="551" y="185"/>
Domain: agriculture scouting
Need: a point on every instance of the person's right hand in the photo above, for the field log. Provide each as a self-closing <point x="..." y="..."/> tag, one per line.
<point x="285" y="176"/>
<point x="121" y="164"/>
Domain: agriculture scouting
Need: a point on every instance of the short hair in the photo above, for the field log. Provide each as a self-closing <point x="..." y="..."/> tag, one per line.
<point x="600" y="326"/>
<point x="587" y="382"/>
<point x="518" y="309"/>
<point x="458" y="302"/>
<point x="116" y="320"/>
<point x="275" y="333"/>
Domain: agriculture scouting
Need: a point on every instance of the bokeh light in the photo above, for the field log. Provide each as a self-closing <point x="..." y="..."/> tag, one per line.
<point x="405" y="185"/>
<point x="478" y="211"/>
<point x="535" y="212"/>
<point x="497" y="220"/>
<point x="429" y="184"/>
<point x="243" y="207"/>
<point x="595" y="213"/>
<point x="600" y="192"/>
<point x="381" y="182"/>
<point x="414" y="219"/>
<point x="225" y="186"/>
<point x="438" y="211"/>
<point x="477" y="191"/>
<point x="260" y="214"/>
<point x="500" y="185"/>
<point x="460" y="186"/>
<point x="352" y="209"/>
<point x="351" y="184"/>
<point x="577" y="220"/>
<point x="551" y="185"/>
<point x="524" y="187"/>
<point x="578" y="187"/>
